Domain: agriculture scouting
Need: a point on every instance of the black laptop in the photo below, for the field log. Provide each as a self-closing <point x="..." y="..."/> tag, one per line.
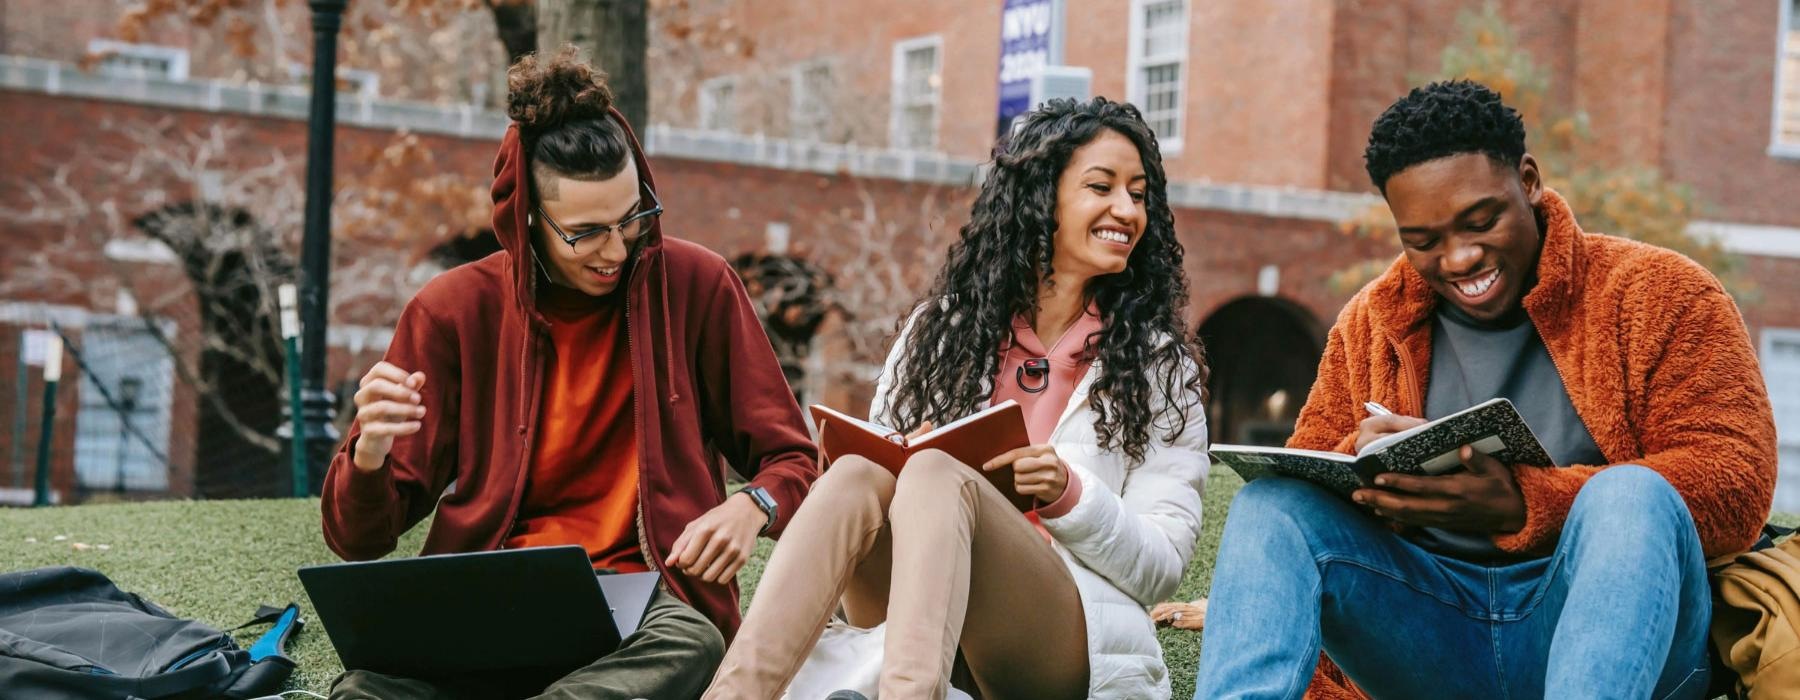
<point x="539" y="607"/>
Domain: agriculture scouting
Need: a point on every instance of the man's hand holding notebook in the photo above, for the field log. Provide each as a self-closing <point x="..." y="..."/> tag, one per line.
<point x="1431" y="448"/>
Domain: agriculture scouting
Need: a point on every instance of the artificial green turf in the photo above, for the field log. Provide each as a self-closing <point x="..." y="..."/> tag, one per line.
<point x="217" y="560"/>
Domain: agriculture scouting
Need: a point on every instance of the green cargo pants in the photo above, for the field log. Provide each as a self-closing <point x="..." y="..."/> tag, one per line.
<point x="672" y="656"/>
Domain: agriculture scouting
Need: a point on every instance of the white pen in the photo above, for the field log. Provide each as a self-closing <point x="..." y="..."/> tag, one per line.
<point x="1376" y="409"/>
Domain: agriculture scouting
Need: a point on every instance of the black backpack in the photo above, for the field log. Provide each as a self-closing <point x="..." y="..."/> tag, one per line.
<point x="67" y="632"/>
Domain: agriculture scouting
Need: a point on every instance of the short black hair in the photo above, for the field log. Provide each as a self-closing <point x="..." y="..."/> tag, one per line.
<point x="1442" y="119"/>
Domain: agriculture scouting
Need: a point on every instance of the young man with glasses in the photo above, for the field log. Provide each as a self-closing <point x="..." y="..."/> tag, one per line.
<point x="578" y="387"/>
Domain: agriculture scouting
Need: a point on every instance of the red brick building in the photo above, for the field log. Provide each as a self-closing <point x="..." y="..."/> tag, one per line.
<point x="832" y="127"/>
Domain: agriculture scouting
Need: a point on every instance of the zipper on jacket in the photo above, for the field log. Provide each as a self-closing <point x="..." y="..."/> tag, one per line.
<point x="1409" y="379"/>
<point x="637" y="411"/>
<point x="529" y="435"/>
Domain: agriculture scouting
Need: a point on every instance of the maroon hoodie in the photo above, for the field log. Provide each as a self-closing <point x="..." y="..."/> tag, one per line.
<point x="707" y="386"/>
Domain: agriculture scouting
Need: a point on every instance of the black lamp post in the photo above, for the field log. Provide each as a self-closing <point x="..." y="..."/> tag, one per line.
<point x="315" y="256"/>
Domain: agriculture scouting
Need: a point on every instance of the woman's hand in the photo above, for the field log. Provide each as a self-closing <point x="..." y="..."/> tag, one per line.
<point x="1187" y="616"/>
<point x="1037" y="472"/>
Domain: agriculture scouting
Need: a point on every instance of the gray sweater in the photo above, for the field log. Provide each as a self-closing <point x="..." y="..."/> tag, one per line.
<point x="1472" y="362"/>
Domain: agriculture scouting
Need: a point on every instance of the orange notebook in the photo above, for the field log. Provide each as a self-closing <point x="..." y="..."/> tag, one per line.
<point x="972" y="440"/>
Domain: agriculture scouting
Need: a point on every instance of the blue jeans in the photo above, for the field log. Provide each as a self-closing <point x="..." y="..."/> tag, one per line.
<point x="1620" y="610"/>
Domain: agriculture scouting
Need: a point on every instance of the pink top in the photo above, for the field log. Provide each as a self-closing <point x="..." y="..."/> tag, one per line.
<point x="1043" y="407"/>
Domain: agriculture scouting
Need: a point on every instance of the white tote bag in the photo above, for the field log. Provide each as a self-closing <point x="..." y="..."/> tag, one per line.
<point x="846" y="658"/>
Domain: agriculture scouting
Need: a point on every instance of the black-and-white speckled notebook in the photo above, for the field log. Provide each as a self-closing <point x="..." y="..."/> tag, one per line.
<point x="1492" y="427"/>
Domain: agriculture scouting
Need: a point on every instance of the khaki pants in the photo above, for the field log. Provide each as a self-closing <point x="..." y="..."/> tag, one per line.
<point x="668" y="657"/>
<point x="943" y="559"/>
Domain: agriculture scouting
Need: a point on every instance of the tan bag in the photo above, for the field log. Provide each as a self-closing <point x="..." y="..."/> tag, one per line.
<point x="1756" y="620"/>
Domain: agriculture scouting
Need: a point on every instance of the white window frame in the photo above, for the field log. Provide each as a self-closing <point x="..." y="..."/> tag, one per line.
<point x="1135" y="90"/>
<point x="105" y="452"/>
<point x="1788" y="439"/>
<point x="1771" y="336"/>
<point x="796" y="100"/>
<point x="709" y="107"/>
<point x="1783" y="30"/>
<point x="896" y="105"/>
<point x="177" y="58"/>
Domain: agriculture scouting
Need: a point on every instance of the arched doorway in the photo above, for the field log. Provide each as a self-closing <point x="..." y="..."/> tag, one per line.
<point x="234" y="265"/>
<point x="1264" y="353"/>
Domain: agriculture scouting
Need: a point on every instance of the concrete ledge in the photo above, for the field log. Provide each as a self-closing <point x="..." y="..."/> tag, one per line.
<point x="810" y="156"/>
<point x="33" y="314"/>
<point x="280" y="101"/>
<point x="1281" y="202"/>
<point x="1750" y="239"/>
<point x="140" y="250"/>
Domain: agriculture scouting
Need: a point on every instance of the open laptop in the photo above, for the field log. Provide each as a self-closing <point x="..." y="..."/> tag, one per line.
<point x="540" y="607"/>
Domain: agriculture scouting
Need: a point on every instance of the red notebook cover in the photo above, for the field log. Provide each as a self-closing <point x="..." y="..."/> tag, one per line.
<point x="972" y="440"/>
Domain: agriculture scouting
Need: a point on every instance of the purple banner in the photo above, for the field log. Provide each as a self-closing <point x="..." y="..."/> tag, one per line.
<point x="1026" y="27"/>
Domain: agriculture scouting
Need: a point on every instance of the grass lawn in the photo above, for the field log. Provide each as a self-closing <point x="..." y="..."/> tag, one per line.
<point x="217" y="560"/>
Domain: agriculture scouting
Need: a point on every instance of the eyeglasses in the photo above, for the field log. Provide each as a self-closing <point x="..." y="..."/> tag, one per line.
<point x="632" y="229"/>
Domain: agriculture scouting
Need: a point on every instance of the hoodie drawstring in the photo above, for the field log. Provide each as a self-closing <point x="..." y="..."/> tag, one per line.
<point x="668" y="334"/>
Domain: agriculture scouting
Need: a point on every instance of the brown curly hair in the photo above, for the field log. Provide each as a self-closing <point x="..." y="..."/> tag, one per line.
<point x="563" y="108"/>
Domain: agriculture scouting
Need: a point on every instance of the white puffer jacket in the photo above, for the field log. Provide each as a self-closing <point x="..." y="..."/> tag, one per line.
<point x="1127" y="541"/>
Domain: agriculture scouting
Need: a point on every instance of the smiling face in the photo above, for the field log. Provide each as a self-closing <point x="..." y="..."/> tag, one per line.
<point x="596" y="264"/>
<point x="1468" y="224"/>
<point x="1100" y="213"/>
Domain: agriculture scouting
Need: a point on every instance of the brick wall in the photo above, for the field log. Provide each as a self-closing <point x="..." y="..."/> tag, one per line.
<point x="1722" y="59"/>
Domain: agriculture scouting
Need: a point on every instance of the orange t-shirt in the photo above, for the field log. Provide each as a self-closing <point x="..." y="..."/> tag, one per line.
<point x="583" y="480"/>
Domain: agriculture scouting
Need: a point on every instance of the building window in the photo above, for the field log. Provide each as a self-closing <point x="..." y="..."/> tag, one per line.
<point x="139" y="60"/>
<point x="812" y="88"/>
<point x="918" y="90"/>
<point x="1781" y="374"/>
<point x="716" y="109"/>
<point x="1158" y="61"/>
<point x="1787" y="77"/>
<point x="122" y="426"/>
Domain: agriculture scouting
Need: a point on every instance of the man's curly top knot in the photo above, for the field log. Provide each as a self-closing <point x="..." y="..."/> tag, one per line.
<point x="1443" y="119"/>
<point x="561" y="104"/>
<point x="544" y="93"/>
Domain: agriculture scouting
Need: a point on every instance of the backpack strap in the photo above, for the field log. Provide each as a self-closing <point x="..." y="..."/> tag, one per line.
<point x="270" y="665"/>
<point x="274" y="642"/>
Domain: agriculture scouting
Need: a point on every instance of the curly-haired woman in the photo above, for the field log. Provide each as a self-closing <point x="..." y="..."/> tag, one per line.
<point x="579" y="387"/>
<point x="1064" y="293"/>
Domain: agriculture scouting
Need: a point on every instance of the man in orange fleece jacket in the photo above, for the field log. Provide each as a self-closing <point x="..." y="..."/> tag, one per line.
<point x="1576" y="580"/>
